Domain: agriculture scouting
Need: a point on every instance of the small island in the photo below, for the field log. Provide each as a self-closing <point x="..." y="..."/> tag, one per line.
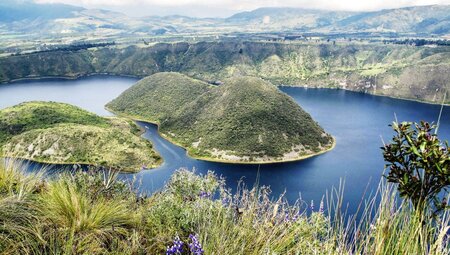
<point x="244" y="120"/>
<point x="58" y="133"/>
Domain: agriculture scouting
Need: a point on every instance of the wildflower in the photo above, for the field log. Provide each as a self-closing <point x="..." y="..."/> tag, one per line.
<point x="296" y="216"/>
<point x="286" y="217"/>
<point x="195" y="247"/>
<point x="176" y="248"/>
<point x="225" y="201"/>
<point x="204" y="194"/>
<point x="312" y="205"/>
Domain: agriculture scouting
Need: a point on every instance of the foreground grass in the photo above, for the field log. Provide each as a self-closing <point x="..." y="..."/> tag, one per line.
<point x="93" y="213"/>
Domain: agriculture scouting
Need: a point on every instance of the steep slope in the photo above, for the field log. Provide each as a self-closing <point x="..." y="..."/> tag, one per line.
<point x="244" y="120"/>
<point x="156" y="96"/>
<point x="64" y="134"/>
<point x="418" y="73"/>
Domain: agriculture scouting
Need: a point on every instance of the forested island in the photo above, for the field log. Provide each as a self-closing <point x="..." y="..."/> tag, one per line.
<point x="244" y="120"/>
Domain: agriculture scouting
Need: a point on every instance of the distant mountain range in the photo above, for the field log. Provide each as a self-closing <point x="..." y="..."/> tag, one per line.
<point x="54" y="19"/>
<point x="15" y="10"/>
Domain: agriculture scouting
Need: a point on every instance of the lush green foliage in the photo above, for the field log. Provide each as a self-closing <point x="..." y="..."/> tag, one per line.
<point x="393" y="70"/>
<point x="65" y="134"/>
<point x="245" y="117"/>
<point x="158" y="96"/>
<point x="420" y="164"/>
<point x="93" y="213"/>
<point x="39" y="115"/>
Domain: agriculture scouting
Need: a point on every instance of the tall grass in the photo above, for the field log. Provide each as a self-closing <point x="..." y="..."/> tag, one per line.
<point x="388" y="225"/>
<point x="91" y="213"/>
<point x="16" y="218"/>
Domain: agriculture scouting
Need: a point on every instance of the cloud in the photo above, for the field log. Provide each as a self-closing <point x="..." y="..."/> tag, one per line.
<point x="224" y="7"/>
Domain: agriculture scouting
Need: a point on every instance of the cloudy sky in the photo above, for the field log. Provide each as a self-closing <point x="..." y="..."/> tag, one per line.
<point x="221" y="8"/>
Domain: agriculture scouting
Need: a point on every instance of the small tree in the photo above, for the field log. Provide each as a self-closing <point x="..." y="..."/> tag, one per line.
<point x="420" y="164"/>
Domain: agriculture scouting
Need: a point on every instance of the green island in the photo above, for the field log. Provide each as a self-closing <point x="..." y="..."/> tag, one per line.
<point x="244" y="120"/>
<point x="58" y="133"/>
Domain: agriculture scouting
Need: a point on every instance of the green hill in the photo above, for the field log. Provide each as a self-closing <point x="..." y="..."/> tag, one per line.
<point x="244" y="120"/>
<point x="155" y="96"/>
<point x="64" y="134"/>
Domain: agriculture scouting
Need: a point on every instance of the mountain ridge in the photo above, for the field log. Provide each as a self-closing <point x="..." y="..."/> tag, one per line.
<point x="402" y="71"/>
<point x="414" y="20"/>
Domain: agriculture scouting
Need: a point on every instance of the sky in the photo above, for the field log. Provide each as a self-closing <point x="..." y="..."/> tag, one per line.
<point x="224" y="8"/>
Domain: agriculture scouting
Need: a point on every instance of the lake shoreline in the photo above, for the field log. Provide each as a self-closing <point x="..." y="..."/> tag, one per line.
<point x="367" y="93"/>
<point x="215" y="160"/>
<point x="67" y="78"/>
<point x="44" y="162"/>
<point x="81" y="76"/>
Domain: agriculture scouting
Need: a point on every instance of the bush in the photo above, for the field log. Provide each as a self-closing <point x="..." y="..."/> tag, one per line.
<point x="420" y="164"/>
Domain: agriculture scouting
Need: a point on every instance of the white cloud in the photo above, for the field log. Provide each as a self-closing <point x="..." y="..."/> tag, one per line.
<point x="225" y="7"/>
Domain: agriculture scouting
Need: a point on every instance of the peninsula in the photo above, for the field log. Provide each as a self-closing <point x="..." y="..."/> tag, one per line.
<point x="58" y="133"/>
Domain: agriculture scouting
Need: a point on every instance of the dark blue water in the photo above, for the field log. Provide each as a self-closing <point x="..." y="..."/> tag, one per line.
<point x="357" y="121"/>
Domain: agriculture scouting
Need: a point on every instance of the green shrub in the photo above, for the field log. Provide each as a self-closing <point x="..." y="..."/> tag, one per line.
<point x="420" y="164"/>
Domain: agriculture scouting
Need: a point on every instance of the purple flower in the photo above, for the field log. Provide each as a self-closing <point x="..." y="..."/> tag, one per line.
<point x="176" y="248"/>
<point x="312" y="205"/>
<point x="225" y="201"/>
<point x="204" y="194"/>
<point x="195" y="247"/>
<point x="291" y="218"/>
<point x="321" y="209"/>
<point x="296" y="216"/>
<point x="286" y="217"/>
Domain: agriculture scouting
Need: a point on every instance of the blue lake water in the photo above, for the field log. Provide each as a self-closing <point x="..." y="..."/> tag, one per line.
<point x="357" y="121"/>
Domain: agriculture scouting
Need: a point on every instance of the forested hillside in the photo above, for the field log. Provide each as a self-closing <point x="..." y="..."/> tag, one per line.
<point x="419" y="73"/>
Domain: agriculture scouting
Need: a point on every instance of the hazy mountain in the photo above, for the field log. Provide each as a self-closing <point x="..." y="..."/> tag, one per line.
<point x="294" y="18"/>
<point x="433" y="19"/>
<point x="59" y="19"/>
<point x="16" y="10"/>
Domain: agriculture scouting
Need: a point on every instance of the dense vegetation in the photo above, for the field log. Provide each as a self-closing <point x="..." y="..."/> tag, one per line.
<point x="74" y="47"/>
<point x="88" y="213"/>
<point x="245" y="119"/>
<point x="420" y="164"/>
<point x="61" y="133"/>
<point x="419" y="42"/>
<point x="404" y="71"/>
<point x="159" y="96"/>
